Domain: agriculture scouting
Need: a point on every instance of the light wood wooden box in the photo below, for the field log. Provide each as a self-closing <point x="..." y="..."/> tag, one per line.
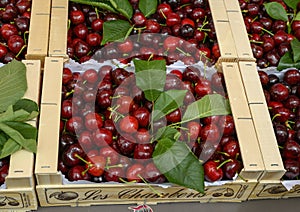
<point x="20" y="181"/>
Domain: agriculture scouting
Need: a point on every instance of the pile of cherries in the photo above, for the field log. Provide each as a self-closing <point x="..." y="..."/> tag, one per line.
<point x="269" y="38"/>
<point x="282" y="96"/>
<point x="106" y="132"/>
<point x="14" y="28"/>
<point x="189" y="20"/>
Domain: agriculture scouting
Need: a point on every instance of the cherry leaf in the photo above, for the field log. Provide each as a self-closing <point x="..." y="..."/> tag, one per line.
<point x="297" y="18"/>
<point x="105" y="4"/>
<point x="292" y="3"/>
<point x="295" y="44"/>
<point x="166" y="132"/>
<point x="287" y="61"/>
<point x="209" y="105"/>
<point x="116" y="30"/>
<point x="13" y="83"/>
<point x="124" y="7"/>
<point x="150" y="77"/>
<point x="148" y="7"/>
<point x="167" y="102"/>
<point x="276" y="10"/>
<point x="9" y="147"/>
<point x="178" y="164"/>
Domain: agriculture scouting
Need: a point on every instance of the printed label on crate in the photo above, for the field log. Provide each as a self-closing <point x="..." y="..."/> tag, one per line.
<point x="104" y="194"/>
<point x="277" y="190"/>
<point x="15" y="200"/>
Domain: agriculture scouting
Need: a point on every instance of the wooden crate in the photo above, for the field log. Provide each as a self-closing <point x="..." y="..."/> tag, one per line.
<point x="20" y="182"/>
<point x="238" y="30"/>
<point x="39" y="30"/>
<point x="58" y="29"/>
<point x="52" y="192"/>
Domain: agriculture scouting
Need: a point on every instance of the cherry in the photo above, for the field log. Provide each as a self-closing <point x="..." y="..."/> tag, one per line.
<point x="110" y="154"/>
<point x="174" y="116"/>
<point x="114" y="174"/>
<point x="171" y="43"/>
<point x="292" y="77"/>
<point x="279" y="92"/>
<point x="93" y="39"/>
<point x="102" y="137"/>
<point x="291" y="150"/>
<point x="85" y="140"/>
<point x="96" y="165"/>
<point x="3" y="51"/>
<point x="4" y="167"/>
<point x="191" y="74"/>
<point x="135" y="172"/>
<point x="124" y="104"/>
<point x="292" y="169"/>
<point x="74" y="125"/>
<point x="143" y="151"/>
<point x="78" y="173"/>
<point x="93" y="121"/>
<point x="126" y="46"/>
<point x="77" y="17"/>
<point x="211" y="171"/>
<point x="173" y="19"/>
<point x="81" y="49"/>
<point x="280" y="133"/>
<point x="226" y="124"/>
<point x="125" y="145"/>
<point x="203" y="87"/>
<point x="15" y="43"/>
<point x="65" y="141"/>
<point x="152" y="26"/>
<point x="231" y="149"/>
<point x="97" y="25"/>
<point x="164" y="10"/>
<point x="210" y="133"/>
<point x="193" y="130"/>
<point x="152" y="174"/>
<point x="69" y="155"/>
<point x="142" y="136"/>
<point x="22" y="24"/>
<point x="129" y="124"/>
<point x="232" y="168"/>
<point x="139" y="19"/>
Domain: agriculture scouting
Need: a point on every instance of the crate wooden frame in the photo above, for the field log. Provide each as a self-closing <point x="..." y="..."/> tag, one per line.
<point x="20" y="181"/>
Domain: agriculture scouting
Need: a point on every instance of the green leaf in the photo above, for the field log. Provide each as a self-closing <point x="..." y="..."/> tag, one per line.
<point x="29" y="106"/>
<point x="297" y="18"/>
<point x="276" y="10"/>
<point x="9" y="148"/>
<point x="166" y="132"/>
<point x="295" y="44"/>
<point x="18" y="137"/>
<point x="26" y="130"/>
<point x="3" y="138"/>
<point x="150" y="77"/>
<point x="287" y="61"/>
<point x="124" y="7"/>
<point x="209" y="105"/>
<point x="13" y="83"/>
<point x="19" y="115"/>
<point x="117" y="30"/>
<point x="105" y="4"/>
<point x="178" y="164"/>
<point x="30" y="145"/>
<point x="167" y="102"/>
<point x="292" y="3"/>
<point x="148" y="7"/>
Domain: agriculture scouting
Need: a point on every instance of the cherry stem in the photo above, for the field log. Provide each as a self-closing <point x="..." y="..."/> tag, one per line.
<point x="126" y="182"/>
<point x="83" y="160"/>
<point x="280" y="147"/>
<point x="97" y="12"/>
<point x="242" y="178"/>
<point x="165" y="17"/>
<point x="23" y="47"/>
<point x="114" y="166"/>
<point x="69" y="93"/>
<point x="267" y="31"/>
<point x="224" y="153"/>
<point x="152" y="189"/>
<point x="184" y="5"/>
<point x="186" y="54"/>
<point x="276" y="115"/>
<point x="224" y="162"/>
<point x="258" y="42"/>
<point x="3" y="44"/>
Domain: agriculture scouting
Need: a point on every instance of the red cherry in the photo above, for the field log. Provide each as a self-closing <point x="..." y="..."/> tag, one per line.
<point x="129" y="124"/>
